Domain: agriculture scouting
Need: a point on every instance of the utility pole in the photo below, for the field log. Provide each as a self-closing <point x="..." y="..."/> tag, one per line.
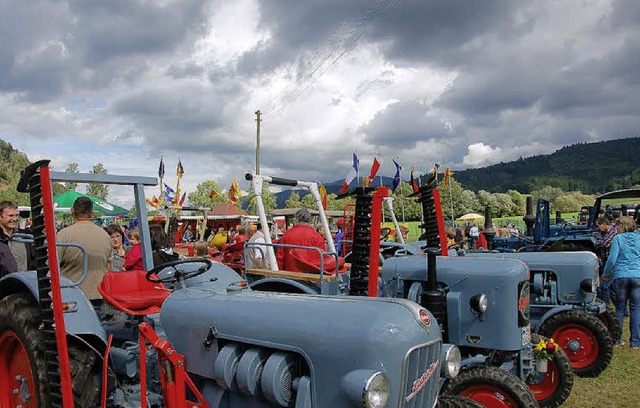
<point x="258" y="120"/>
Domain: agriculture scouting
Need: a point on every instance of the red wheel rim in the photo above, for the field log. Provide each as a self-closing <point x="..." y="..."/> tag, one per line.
<point x="490" y="397"/>
<point x="579" y="343"/>
<point x="549" y="384"/>
<point x="16" y="378"/>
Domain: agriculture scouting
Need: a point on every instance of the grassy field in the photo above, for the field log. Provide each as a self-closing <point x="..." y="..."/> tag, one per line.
<point x="617" y="387"/>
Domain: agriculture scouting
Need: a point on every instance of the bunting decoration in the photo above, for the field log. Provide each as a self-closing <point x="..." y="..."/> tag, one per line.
<point x="414" y="184"/>
<point x="445" y="180"/>
<point x="323" y="197"/>
<point x="374" y="170"/>
<point x="351" y="174"/>
<point x="396" y="178"/>
<point x="153" y="202"/>
<point x="234" y="192"/>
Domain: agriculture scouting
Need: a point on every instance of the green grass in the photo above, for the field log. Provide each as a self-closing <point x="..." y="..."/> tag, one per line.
<point x="617" y="387"/>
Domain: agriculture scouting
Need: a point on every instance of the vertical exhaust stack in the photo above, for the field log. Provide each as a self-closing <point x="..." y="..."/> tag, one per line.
<point x="529" y="219"/>
<point x="434" y="298"/>
<point x="558" y="218"/>
<point x="489" y="232"/>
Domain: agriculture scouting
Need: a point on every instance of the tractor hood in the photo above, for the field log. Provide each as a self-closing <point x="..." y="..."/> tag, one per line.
<point x="335" y="335"/>
<point x="505" y="283"/>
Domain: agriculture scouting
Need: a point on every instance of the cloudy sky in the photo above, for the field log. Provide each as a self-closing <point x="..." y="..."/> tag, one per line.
<point x="462" y="83"/>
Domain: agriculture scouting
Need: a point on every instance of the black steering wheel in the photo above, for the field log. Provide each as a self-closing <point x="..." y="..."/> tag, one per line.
<point x="179" y="274"/>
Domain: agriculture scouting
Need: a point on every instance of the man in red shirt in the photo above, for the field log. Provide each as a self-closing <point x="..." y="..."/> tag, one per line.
<point x="301" y="234"/>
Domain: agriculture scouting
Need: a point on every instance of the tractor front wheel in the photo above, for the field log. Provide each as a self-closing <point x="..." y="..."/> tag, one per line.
<point x="491" y="387"/>
<point x="610" y="320"/>
<point x="456" y="401"/>
<point x="23" y="380"/>
<point x="584" y="338"/>
<point x="552" y="388"/>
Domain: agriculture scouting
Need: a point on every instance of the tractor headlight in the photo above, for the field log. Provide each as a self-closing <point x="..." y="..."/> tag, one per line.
<point x="451" y="359"/>
<point x="479" y="303"/>
<point x="587" y="285"/>
<point x="367" y="388"/>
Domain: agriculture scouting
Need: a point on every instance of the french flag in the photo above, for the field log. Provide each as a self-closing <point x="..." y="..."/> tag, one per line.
<point x="353" y="172"/>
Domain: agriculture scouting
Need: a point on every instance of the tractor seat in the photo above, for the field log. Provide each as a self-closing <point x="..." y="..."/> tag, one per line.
<point x="308" y="261"/>
<point x="132" y="293"/>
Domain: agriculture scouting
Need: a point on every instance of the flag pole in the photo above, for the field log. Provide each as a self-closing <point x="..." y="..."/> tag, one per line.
<point x="451" y="197"/>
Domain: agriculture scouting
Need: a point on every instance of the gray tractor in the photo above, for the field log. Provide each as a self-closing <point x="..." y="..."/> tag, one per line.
<point x="191" y="333"/>
<point x="482" y="307"/>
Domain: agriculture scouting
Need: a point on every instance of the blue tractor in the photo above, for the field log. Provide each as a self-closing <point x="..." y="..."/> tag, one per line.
<point x="482" y="306"/>
<point x="191" y="333"/>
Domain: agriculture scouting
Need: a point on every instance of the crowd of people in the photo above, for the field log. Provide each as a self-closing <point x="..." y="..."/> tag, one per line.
<point x="114" y="248"/>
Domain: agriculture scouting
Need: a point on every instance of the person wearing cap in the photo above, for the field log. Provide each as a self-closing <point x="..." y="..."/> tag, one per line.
<point x="301" y="234"/>
<point x="340" y="237"/>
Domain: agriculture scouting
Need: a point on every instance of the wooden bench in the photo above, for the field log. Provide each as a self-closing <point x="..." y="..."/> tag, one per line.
<point x="299" y="276"/>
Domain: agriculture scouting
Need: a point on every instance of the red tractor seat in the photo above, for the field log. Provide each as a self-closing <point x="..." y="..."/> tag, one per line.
<point x="132" y="293"/>
<point x="308" y="261"/>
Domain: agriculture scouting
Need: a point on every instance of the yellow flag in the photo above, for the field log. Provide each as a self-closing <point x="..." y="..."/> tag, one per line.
<point x="445" y="180"/>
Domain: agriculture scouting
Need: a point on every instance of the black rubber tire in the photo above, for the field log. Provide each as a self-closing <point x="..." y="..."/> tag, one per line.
<point x="20" y="315"/>
<point x="504" y="384"/>
<point x="456" y="401"/>
<point x="562" y="373"/>
<point x="610" y="320"/>
<point x="594" y="332"/>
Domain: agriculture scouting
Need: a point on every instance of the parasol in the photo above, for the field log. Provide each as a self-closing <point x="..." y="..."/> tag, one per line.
<point x="100" y="206"/>
<point x="471" y="217"/>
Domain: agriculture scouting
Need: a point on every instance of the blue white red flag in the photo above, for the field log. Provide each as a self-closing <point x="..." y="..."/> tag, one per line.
<point x="351" y="174"/>
<point x="169" y="193"/>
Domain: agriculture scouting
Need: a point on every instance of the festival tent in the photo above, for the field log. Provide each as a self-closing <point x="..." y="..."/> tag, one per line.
<point x="100" y="206"/>
<point x="471" y="217"/>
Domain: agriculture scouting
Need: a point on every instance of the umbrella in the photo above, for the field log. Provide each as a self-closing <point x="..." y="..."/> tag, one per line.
<point x="100" y="206"/>
<point x="471" y="217"/>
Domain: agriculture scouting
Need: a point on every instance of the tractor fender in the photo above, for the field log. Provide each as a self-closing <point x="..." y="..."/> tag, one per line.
<point x="80" y="319"/>
<point x="551" y="312"/>
<point x="267" y="284"/>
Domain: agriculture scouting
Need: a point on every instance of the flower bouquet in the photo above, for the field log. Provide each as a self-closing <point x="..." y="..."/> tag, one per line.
<point x="543" y="352"/>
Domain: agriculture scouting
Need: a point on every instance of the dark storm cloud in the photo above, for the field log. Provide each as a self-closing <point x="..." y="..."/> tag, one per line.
<point x="402" y="125"/>
<point x="69" y="37"/>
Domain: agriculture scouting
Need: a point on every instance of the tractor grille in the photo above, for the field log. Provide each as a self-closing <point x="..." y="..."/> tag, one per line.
<point x="422" y="376"/>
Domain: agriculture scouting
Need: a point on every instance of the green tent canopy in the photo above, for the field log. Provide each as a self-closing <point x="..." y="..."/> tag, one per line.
<point x="100" y="206"/>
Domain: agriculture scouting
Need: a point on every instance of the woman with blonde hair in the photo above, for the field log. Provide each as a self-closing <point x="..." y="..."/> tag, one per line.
<point x="623" y="267"/>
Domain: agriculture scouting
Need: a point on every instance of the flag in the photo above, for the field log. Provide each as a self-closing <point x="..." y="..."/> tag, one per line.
<point x="414" y="184"/>
<point x="351" y="174"/>
<point x="396" y="178"/>
<point x="445" y="180"/>
<point x="169" y="194"/>
<point x="180" y="170"/>
<point x="234" y="192"/>
<point x="374" y="170"/>
<point x="184" y="195"/>
<point x="214" y="194"/>
<point x="323" y="197"/>
<point x="161" y="168"/>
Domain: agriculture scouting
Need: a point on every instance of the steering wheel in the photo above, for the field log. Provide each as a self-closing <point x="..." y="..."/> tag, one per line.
<point x="179" y="274"/>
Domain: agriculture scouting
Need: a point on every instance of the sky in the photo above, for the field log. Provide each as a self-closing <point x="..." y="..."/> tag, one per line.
<point x="461" y="83"/>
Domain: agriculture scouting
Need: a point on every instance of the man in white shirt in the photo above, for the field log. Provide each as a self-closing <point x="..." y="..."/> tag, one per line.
<point x="257" y="257"/>
<point x="474" y="233"/>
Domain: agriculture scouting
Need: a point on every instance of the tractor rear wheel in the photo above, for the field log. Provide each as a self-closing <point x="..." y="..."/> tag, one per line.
<point x="584" y="338"/>
<point x="23" y="380"/>
<point x="610" y="320"/>
<point x="552" y="388"/>
<point x="491" y="387"/>
<point x="456" y="401"/>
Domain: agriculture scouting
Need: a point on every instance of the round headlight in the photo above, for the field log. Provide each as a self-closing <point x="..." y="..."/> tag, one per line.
<point x="451" y="361"/>
<point x="479" y="303"/>
<point x="376" y="391"/>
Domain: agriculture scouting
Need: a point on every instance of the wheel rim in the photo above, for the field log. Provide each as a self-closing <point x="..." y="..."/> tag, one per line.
<point x="579" y="343"/>
<point x="549" y="384"/>
<point x="490" y="397"/>
<point x="16" y="378"/>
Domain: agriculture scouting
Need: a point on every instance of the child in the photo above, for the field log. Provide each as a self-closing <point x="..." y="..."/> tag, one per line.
<point x="201" y="249"/>
<point x="133" y="258"/>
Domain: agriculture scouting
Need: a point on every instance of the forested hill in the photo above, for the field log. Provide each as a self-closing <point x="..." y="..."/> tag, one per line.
<point x="588" y="167"/>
